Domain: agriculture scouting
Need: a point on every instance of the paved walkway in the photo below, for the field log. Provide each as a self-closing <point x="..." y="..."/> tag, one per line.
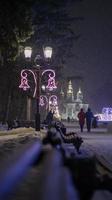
<point x="99" y="141"/>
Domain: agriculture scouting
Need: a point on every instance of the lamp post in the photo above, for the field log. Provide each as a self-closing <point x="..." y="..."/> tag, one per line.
<point x="47" y="55"/>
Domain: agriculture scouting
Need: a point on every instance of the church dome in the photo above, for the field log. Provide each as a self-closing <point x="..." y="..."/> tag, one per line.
<point x="79" y="95"/>
<point x="70" y="94"/>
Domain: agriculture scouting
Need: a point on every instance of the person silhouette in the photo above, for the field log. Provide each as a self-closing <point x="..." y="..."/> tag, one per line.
<point x="49" y="117"/>
<point x="81" y="117"/>
<point x="89" y="117"/>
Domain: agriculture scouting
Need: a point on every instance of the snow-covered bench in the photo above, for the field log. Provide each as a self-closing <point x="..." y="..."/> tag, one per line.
<point x="71" y="137"/>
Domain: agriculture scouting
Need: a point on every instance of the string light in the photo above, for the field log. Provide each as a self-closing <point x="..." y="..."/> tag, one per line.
<point x="106" y="114"/>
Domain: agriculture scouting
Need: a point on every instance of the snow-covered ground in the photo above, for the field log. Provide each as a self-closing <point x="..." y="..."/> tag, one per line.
<point x="12" y="140"/>
<point x="99" y="140"/>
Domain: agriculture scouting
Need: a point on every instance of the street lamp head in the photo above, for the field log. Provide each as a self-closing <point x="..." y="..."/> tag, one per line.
<point x="27" y="52"/>
<point x="47" y="52"/>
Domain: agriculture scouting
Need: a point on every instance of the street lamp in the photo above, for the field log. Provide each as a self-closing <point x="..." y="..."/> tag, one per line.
<point x="47" y="52"/>
<point x="36" y="75"/>
<point x="28" y="52"/>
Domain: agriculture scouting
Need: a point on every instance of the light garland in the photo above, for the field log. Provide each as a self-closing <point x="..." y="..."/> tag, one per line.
<point x="106" y="115"/>
<point x="48" y="101"/>
<point x="51" y="80"/>
<point x="24" y="80"/>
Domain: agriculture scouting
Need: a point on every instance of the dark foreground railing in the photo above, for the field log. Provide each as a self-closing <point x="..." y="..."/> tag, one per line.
<point x="17" y="167"/>
<point x="54" y="181"/>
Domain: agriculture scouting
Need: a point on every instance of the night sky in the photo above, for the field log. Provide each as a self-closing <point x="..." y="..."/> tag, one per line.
<point x="93" y="52"/>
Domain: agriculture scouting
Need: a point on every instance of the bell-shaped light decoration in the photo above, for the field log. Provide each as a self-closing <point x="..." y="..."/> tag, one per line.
<point x="51" y="84"/>
<point x="27" y="52"/>
<point x="47" y="52"/>
<point x="42" y="103"/>
<point x="24" y="84"/>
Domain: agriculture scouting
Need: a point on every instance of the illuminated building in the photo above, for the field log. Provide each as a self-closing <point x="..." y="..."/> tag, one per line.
<point x="69" y="105"/>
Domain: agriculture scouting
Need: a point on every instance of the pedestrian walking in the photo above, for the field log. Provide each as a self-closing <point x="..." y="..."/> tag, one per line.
<point x="89" y="117"/>
<point x="49" y="118"/>
<point x="81" y="117"/>
<point x="10" y="124"/>
<point x="68" y="119"/>
<point x="94" y="122"/>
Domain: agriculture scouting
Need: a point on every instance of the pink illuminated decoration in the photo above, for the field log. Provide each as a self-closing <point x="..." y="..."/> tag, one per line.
<point x="24" y="80"/>
<point x="48" y="101"/>
<point x="53" y="100"/>
<point x="51" y="80"/>
<point x="51" y="103"/>
<point x="43" y="101"/>
<point x="54" y="105"/>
